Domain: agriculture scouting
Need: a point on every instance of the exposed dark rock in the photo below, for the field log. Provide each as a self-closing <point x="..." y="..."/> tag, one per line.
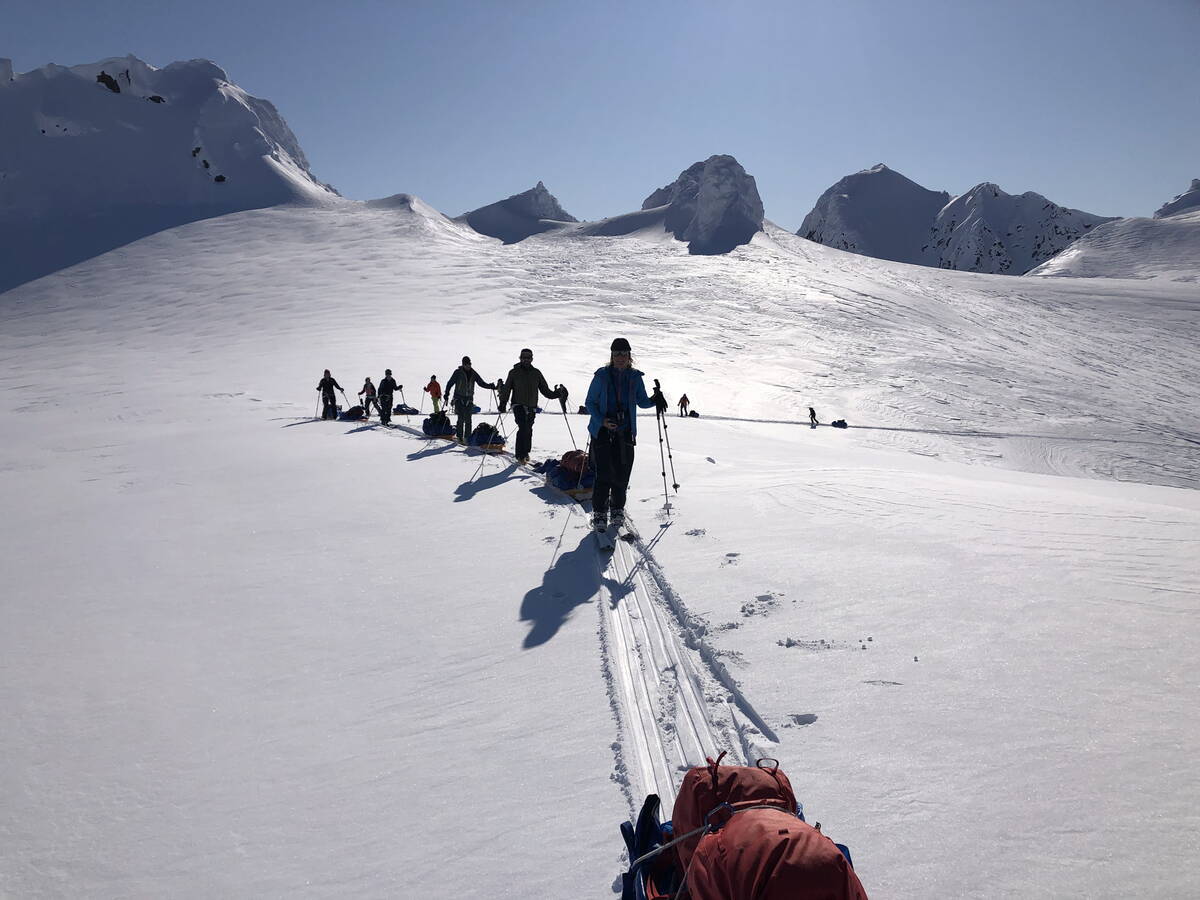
<point x="109" y="82"/>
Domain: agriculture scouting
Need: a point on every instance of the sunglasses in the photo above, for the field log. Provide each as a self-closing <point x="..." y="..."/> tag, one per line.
<point x="620" y="353"/>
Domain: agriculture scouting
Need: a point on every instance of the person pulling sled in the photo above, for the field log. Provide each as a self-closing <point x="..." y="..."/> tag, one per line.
<point x="462" y="383"/>
<point x="326" y="386"/>
<point x="434" y="390"/>
<point x="387" y="390"/>
<point x="523" y="384"/>
<point x="369" y="399"/>
<point x="616" y="391"/>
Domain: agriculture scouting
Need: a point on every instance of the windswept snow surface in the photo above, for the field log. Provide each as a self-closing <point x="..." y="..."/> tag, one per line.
<point x="1166" y="249"/>
<point x="246" y="653"/>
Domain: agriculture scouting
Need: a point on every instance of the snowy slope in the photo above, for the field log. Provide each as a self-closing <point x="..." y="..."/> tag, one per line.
<point x="1166" y="249"/>
<point x="84" y="168"/>
<point x="876" y="212"/>
<point x="247" y="653"/>
<point x="1166" y="246"/>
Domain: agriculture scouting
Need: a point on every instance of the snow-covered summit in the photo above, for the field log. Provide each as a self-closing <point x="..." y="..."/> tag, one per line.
<point x="519" y="216"/>
<point x="713" y="205"/>
<point x="876" y="212"/>
<point x="96" y="155"/>
<point x="989" y="230"/>
<point x="1188" y="201"/>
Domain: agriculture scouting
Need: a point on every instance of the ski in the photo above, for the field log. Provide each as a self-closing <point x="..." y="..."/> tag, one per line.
<point x="605" y="542"/>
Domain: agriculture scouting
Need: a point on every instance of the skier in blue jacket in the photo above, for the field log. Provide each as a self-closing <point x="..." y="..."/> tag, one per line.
<point x="616" y="391"/>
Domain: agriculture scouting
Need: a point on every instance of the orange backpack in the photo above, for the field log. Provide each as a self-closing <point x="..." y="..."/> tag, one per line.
<point x="756" y="846"/>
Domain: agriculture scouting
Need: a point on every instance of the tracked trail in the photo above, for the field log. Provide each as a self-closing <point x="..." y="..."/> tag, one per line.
<point x="676" y="702"/>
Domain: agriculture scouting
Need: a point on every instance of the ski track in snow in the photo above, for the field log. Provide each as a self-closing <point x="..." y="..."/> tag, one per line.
<point x="674" y="701"/>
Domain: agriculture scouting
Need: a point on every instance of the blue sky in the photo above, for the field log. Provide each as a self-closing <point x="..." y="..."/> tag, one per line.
<point x="1094" y="104"/>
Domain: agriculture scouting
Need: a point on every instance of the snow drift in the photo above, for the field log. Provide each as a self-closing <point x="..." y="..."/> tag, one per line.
<point x="97" y="155"/>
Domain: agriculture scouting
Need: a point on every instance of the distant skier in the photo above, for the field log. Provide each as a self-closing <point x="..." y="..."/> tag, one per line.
<point x="387" y="389"/>
<point x="326" y="386"/>
<point x="683" y="405"/>
<point x="812" y="417"/>
<point x="616" y="391"/>
<point x="434" y="390"/>
<point x="462" y="383"/>
<point x="523" y="384"/>
<point x="368" y="393"/>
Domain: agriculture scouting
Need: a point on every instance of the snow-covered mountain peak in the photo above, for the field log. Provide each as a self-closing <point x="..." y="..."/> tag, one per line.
<point x="875" y="212"/>
<point x="98" y="154"/>
<point x="878" y="212"/>
<point x="1188" y="201"/>
<point x="519" y="216"/>
<point x="989" y="230"/>
<point x="713" y="205"/>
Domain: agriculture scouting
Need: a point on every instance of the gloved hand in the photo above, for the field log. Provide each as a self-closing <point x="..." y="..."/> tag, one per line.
<point x="562" y="392"/>
<point x="660" y="402"/>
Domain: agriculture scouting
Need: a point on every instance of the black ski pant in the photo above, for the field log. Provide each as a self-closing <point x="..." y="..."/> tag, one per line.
<point x="329" y="410"/>
<point x="463" y="410"/>
<point x="524" y="416"/>
<point x="385" y="408"/>
<point x="612" y="454"/>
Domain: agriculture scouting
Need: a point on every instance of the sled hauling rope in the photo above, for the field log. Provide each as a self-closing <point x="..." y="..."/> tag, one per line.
<point x="495" y="429"/>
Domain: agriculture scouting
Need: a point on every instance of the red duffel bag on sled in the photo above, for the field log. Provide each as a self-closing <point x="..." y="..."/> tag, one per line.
<point x="736" y="834"/>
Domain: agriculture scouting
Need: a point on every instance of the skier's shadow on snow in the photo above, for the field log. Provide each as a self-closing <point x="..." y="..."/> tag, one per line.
<point x="469" y="489"/>
<point x="572" y="581"/>
<point x="435" y="447"/>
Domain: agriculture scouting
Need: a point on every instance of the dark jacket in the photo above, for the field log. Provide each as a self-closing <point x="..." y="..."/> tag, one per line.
<point x="326" y="386"/>
<point x="464" y="380"/>
<point x="614" y="393"/>
<point x="387" y="385"/>
<point x="523" y="384"/>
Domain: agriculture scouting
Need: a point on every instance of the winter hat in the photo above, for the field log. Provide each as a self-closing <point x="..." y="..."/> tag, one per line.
<point x="466" y="360"/>
<point x="527" y="350"/>
<point x="620" y="344"/>
<point x="387" y="371"/>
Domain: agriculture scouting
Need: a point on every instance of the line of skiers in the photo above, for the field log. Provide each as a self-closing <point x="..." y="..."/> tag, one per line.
<point x="616" y="391"/>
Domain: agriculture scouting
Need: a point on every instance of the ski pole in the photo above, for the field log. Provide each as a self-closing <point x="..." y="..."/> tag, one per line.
<point x="318" y="409"/>
<point x="562" y="401"/>
<point x="658" y="420"/>
<point x="667" y="435"/>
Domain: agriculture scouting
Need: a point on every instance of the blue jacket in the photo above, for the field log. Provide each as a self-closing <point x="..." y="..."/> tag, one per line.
<point x="612" y="390"/>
